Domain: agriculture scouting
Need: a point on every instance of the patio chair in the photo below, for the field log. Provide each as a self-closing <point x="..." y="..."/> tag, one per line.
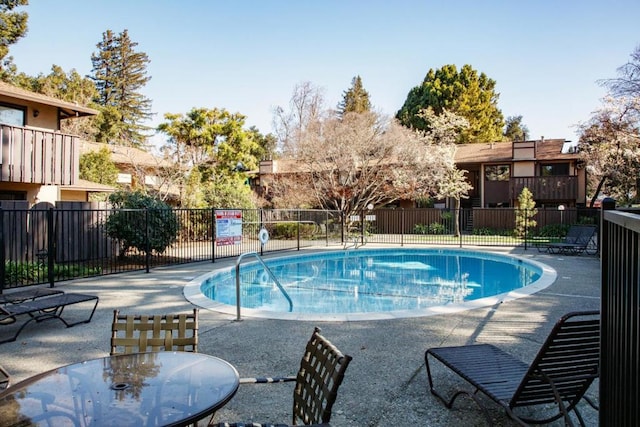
<point x="27" y="295"/>
<point x="560" y="374"/>
<point x="321" y="372"/>
<point x="134" y="333"/>
<point x="45" y="308"/>
<point x="576" y="241"/>
<point x="5" y="378"/>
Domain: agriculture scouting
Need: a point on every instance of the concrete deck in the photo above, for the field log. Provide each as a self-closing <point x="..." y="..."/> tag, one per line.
<point x="385" y="384"/>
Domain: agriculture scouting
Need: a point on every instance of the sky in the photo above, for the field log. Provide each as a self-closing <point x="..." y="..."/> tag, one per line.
<point x="546" y="57"/>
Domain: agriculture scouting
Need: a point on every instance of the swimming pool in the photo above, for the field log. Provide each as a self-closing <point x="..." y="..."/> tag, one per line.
<point x="369" y="284"/>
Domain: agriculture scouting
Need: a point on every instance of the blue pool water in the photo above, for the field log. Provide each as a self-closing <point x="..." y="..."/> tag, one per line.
<point x="372" y="280"/>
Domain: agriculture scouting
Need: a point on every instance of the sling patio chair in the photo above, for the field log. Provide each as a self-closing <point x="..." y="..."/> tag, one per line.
<point x="576" y="241"/>
<point x="135" y="333"/>
<point x="321" y="372"/>
<point x="564" y="368"/>
<point x="45" y="308"/>
<point x="27" y="295"/>
<point x="5" y="378"/>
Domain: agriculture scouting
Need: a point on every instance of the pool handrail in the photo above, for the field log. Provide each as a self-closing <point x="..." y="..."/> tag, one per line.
<point x="268" y="270"/>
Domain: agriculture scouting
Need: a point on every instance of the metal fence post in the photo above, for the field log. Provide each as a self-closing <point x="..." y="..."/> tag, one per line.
<point x="2" y="254"/>
<point x="326" y="228"/>
<point x="148" y="240"/>
<point x="51" y="248"/>
<point x="460" y="225"/>
<point x="402" y="227"/>
<point x="260" y="228"/>
<point x="526" y="228"/>
<point x="213" y="234"/>
<point x="298" y="228"/>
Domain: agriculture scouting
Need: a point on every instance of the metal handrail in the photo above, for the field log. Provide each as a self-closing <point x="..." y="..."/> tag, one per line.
<point x="273" y="277"/>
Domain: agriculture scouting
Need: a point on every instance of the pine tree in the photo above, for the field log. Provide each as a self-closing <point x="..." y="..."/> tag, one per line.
<point x="514" y="130"/>
<point x="466" y="92"/>
<point x="355" y="99"/>
<point x="13" y="26"/>
<point x="525" y="213"/>
<point x="119" y="73"/>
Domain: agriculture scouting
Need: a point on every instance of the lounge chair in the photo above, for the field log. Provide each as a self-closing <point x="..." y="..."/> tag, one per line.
<point x="45" y="308"/>
<point x="560" y="374"/>
<point x="321" y="372"/>
<point x="135" y="333"/>
<point x="576" y="241"/>
<point x="27" y="295"/>
<point x="5" y="378"/>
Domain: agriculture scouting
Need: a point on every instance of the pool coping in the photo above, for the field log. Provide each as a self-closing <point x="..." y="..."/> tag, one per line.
<point x="194" y="295"/>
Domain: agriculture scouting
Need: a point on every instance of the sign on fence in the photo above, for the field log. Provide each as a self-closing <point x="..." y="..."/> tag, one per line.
<point x="228" y="227"/>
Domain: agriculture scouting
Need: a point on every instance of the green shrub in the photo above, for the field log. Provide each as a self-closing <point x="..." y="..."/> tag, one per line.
<point x="486" y="231"/>
<point x="140" y="220"/>
<point x="437" y="228"/>
<point x="27" y="273"/>
<point x="23" y="272"/>
<point x="69" y="271"/>
<point x="289" y="230"/>
<point x="553" y="230"/>
<point x="433" y="228"/>
<point x="420" y="229"/>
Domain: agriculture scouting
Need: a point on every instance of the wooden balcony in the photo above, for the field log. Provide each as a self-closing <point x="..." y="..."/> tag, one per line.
<point x="38" y="156"/>
<point x="545" y="187"/>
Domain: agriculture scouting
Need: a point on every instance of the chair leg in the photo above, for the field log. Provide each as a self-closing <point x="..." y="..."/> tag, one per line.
<point x="449" y="402"/>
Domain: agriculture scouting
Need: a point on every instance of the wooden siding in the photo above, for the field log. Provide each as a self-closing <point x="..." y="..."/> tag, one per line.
<point x="38" y="157"/>
<point x="546" y="187"/>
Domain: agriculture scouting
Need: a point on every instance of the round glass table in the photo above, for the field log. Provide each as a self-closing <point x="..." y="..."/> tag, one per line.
<point x="141" y="389"/>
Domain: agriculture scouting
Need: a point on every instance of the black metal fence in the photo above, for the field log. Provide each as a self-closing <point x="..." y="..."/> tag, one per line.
<point x="50" y="245"/>
<point x="620" y="318"/>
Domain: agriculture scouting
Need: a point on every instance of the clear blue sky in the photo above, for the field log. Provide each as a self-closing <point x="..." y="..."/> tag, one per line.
<point x="247" y="56"/>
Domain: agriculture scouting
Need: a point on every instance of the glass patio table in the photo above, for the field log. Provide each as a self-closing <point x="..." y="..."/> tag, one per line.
<point x="140" y="389"/>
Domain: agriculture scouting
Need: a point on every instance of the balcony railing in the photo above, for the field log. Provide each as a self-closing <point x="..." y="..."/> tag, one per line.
<point x="545" y="187"/>
<point x="37" y="156"/>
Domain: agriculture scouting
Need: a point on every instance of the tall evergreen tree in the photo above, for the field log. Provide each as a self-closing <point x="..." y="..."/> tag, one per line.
<point x="119" y="73"/>
<point x="465" y="93"/>
<point x="514" y="130"/>
<point x="355" y="99"/>
<point x="13" y="26"/>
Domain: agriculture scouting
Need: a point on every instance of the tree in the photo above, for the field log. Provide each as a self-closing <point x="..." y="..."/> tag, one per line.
<point x="454" y="184"/>
<point x="13" y="26"/>
<point x="627" y="84"/>
<point x="70" y="87"/>
<point x="120" y="72"/>
<point x="514" y="130"/>
<point x="213" y="145"/>
<point x="306" y="110"/>
<point x="525" y="213"/>
<point x="610" y="139"/>
<point x="141" y="222"/>
<point x="363" y="159"/>
<point x="610" y="147"/>
<point x="97" y="166"/>
<point x="465" y="93"/>
<point x="355" y="99"/>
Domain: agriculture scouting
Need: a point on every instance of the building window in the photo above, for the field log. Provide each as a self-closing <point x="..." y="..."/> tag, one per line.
<point x="12" y="115"/>
<point x="497" y="173"/>
<point x="554" y="169"/>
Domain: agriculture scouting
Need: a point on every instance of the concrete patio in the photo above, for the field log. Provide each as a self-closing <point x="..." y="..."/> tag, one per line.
<point x="385" y="384"/>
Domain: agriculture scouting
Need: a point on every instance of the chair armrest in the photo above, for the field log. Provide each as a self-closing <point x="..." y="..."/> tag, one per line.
<point x="266" y="380"/>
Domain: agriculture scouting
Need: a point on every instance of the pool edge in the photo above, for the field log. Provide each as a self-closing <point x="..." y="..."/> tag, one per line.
<point x="549" y="275"/>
